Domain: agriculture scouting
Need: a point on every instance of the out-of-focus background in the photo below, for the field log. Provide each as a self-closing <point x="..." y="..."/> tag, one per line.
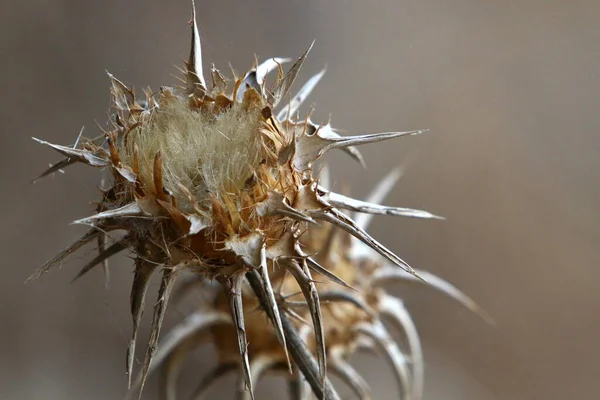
<point x="509" y="89"/>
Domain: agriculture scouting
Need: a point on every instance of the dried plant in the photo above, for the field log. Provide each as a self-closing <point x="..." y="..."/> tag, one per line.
<point x="221" y="184"/>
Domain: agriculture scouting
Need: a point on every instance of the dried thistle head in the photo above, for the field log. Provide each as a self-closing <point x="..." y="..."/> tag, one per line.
<point x="356" y="311"/>
<point x="218" y="180"/>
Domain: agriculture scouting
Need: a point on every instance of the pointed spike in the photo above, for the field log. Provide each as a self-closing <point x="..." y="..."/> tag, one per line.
<point x="211" y="377"/>
<point x="378" y="194"/>
<point x="255" y="78"/>
<point x="105" y="255"/>
<point x="346" y="141"/>
<point x="340" y="296"/>
<point x="290" y="212"/>
<point x="128" y="210"/>
<point x="348" y="203"/>
<point x="141" y="281"/>
<point x="394" y="309"/>
<point x="234" y="287"/>
<point x="123" y="97"/>
<point x="393" y="274"/>
<point x="195" y="77"/>
<point x="311" y="295"/>
<point x="219" y="81"/>
<point x="273" y="307"/>
<point x="295" y="315"/>
<point x="267" y="66"/>
<point x="83" y="156"/>
<point x="60" y="257"/>
<point x="259" y="366"/>
<point x="346" y="223"/>
<point x="315" y="266"/>
<point x="344" y="370"/>
<point x="301" y="96"/>
<point x="190" y="328"/>
<point x="56" y="167"/>
<point x="356" y="154"/>
<point x="385" y="343"/>
<point x="311" y="147"/>
<point x="283" y="86"/>
<point x="166" y="285"/>
<point x="102" y="242"/>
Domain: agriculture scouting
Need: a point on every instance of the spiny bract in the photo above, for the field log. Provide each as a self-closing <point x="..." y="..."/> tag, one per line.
<point x="220" y="183"/>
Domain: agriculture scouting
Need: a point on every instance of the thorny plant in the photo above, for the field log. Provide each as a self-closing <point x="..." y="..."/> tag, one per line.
<point x="221" y="185"/>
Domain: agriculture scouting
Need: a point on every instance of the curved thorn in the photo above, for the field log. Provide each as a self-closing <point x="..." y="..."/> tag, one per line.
<point x="178" y="338"/>
<point x="141" y="281"/>
<point x="297" y="316"/>
<point x="394" y="309"/>
<point x="234" y="287"/>
<point x="318" y="268"/>
<point x="309" y="290"/>
<point x="267" y="66"/>
<point x="287" y="81"/>
<point x="103" y="256"/>
<point x="301" y="96"/>
<point x="393" y="274"/>
<point x="256" y="77"/>
<point x="60" y="257"/>
<point x="385" y="343"/>
<point x="211" y="377"/>
<point x="164" y="292"/>
<point x="348" y="374"/>
<point x="356" y="154"/>
<point x="340" y="220"/>
<point x="340" y="296"/>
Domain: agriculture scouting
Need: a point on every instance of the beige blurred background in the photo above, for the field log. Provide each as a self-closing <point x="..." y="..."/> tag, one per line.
<point x="509" y="89"/>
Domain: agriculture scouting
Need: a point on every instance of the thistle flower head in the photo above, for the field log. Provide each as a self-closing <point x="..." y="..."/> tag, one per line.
<point x="217" y="179"/>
